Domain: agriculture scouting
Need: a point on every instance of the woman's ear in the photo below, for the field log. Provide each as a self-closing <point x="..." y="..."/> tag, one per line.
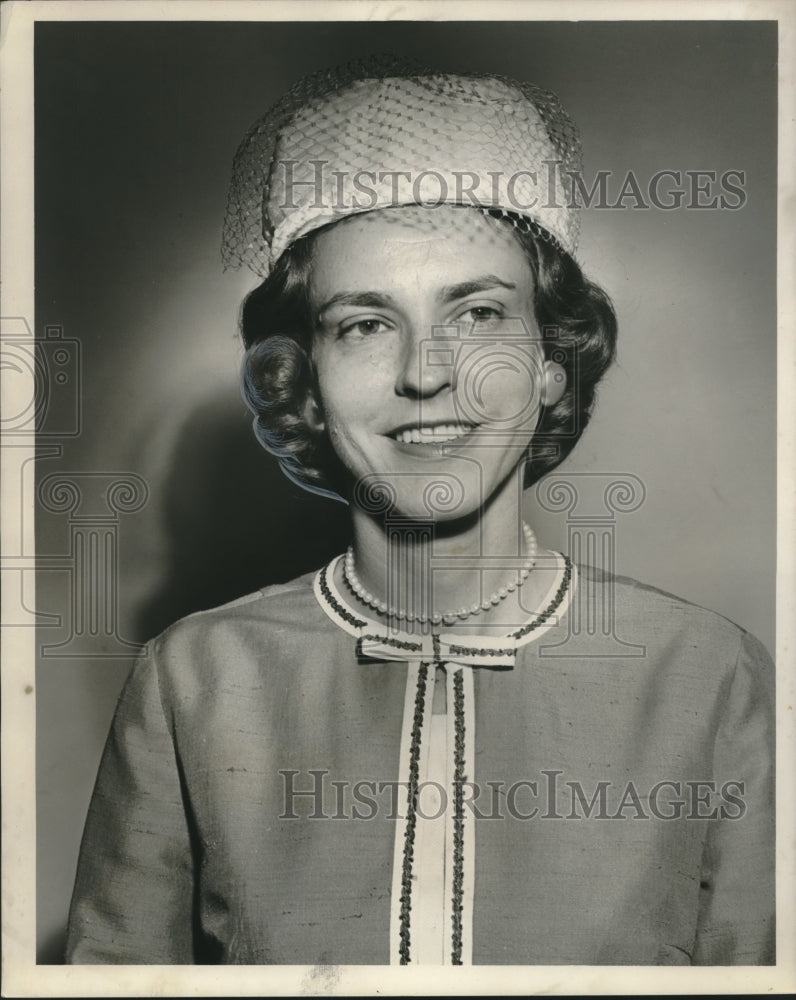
<point x="313" y="415"/>
<point x="554" y="383"/>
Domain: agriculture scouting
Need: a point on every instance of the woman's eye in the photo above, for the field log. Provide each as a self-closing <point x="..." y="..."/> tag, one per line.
<point x="480" y="316"/>
<point x="364" y="327"/>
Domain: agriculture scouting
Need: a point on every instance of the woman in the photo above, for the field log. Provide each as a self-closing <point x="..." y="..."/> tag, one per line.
<point x="400" y="758"/>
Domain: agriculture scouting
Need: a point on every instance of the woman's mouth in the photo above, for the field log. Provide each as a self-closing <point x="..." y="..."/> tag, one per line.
<point x="432" y="434"/>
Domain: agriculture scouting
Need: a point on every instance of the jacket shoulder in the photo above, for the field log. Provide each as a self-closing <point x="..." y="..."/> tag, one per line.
<point x="268" y="602"/>
<point x="668" y="618"/>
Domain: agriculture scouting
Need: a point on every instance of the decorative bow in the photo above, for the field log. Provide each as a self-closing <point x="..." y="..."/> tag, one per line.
<point x="468" y="651"/>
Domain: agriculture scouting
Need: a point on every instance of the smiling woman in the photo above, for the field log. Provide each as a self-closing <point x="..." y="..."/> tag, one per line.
<point x="384" y="405"/>
<point x="425" y="355"/>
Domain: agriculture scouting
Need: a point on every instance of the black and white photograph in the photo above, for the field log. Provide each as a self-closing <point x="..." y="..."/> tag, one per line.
<point x="397" y="498"/>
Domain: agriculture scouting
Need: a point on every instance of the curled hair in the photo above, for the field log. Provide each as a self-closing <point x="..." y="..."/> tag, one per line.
<point x="578" y="326"/>
<point x="278" y="376"/>
<point x="575" y="317"/>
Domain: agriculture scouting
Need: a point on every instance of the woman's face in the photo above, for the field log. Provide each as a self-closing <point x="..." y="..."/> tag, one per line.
<point x="427" y="354"/>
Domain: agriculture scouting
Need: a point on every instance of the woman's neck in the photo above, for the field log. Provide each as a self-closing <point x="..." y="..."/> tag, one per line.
<point x="434" y="566"/>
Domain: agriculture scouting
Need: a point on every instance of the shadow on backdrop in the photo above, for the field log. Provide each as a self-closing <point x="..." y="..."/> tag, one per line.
<point x="233" y="521"/>
<point x="51" y="950"/>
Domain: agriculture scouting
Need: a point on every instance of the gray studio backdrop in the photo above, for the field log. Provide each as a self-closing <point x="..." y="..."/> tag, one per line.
<point x="173" y="507"/>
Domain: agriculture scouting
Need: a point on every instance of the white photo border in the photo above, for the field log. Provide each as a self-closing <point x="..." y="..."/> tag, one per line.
<point x="22" y="977"/>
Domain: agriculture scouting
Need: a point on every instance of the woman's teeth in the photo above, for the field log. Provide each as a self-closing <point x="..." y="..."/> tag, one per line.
<point x="432" y="435"/>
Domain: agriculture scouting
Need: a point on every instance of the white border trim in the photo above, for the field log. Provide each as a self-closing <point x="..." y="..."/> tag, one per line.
<point x="463" y="638"/>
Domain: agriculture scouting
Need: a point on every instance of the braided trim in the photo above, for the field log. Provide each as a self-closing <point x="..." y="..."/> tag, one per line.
<point x="336" y="605"/>
<point x="387" y="640"/>
<point x="552" y="606"/>
<point x="477" y="651"/>
<point x="340" y="613"/>
<point x="459" y="777"/>
<point x="411" y="816"/>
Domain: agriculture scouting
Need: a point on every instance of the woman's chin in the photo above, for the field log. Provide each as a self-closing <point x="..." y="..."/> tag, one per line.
<point x="433" y="495"/>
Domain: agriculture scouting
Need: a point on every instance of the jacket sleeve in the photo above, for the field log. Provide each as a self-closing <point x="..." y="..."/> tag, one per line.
<point x="736" y="915"/>
<point x="133" y="895"/>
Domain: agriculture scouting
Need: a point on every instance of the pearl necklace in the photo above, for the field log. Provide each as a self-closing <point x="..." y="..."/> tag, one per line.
<point x="441" y="617"/>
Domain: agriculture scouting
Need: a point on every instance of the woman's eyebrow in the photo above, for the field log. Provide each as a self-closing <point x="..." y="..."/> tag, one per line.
<point x="450" y="293"/>
<point x="369" y="300"/>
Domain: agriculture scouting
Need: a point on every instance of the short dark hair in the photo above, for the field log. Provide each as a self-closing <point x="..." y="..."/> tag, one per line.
<point x="575" y="317"/>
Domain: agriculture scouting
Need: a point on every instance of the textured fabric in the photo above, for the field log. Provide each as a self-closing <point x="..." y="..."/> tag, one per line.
<point x="371" y="137"/>
<point x="188" y="854"/>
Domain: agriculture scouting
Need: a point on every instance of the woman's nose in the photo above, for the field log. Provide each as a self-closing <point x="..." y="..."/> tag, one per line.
<point x="426" y="365"/>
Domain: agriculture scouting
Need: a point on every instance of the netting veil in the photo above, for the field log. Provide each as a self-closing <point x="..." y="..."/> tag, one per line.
<point x="383" y="134"/>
